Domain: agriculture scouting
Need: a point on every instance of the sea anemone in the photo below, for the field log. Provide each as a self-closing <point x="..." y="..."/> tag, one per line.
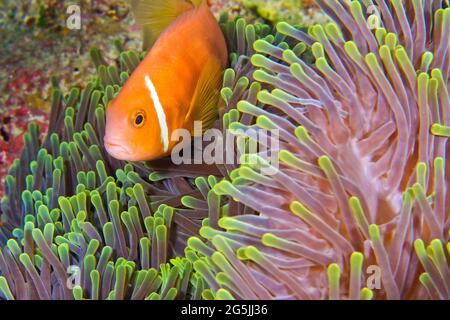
<point x="356" y="206"/>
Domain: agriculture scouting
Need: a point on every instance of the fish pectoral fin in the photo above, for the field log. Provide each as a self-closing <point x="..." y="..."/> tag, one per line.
<point x="204" y="104"/>
<point x="155" y="15"/>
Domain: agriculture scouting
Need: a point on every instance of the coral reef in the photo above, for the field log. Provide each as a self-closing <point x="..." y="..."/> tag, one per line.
<point x="362" y="184"/>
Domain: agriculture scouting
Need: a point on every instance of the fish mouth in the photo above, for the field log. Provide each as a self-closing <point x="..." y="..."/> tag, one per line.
<point x="113" y="144"/>
<point x="117" y="150"/>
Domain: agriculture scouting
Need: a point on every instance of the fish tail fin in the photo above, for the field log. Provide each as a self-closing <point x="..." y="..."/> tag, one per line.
<point x="155" y="15"/>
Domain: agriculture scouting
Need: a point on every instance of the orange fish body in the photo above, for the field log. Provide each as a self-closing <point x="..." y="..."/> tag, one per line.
<point x="176" y="84"/>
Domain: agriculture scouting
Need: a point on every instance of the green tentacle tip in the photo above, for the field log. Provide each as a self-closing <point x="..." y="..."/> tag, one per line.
<point x="300" y="210"/>
<point x="171" y="294"/>
<point x="437" y="250"/>
<point x="298" y="71"/>
<point x="265" y="123"/>
<point x="229" y="75"/>
<point x="13" y="246"/>
<point x="4" y="288"/>
<point x="77" y="292"/>
<point x="372" y="61"/>
<point x="290" y="56"/>
<point x="366" y="294"/>
<point x="223" y="188"/>
<point x="440" y="130"/>
<point x="423" y="80"/>
<point x="258" y="60"/>
<point x="427" y="59"/>
<point x="223" y="294"/>
<point x="284" y="27"/>
<point x="271" y="240"/>
<point x="241" y="255"/>
<point x="426" y="281"/>
<point x="261" y="45"/>
<point x="302" y="134"/>
<point x="355" y="205"/>
<point x="352" y="50"/>
<point x="318" y="50"/>
<point x="333" y="271"/>
<point x="421" y="251"/>
<point x="262" y="76"/>
<point x="356" y="260"/>
<point x="189" y="201"/>
<point x="385" y="53"/>
<point x="374" y="232"/>
<point x="437" y="74"/>
<point x="421" y="172"/>
<point x="153" y="296"/>
<point x="402" y="56"/>
<point x="418" y="189"/>
<point x="334" y="32"/>
<point x="226" y="94"/>
<point x="391" y="40"/>
<point x="325" y="164"/>
<point x="253" y="254"/>
<point x="439" y="163"/>
<point x="244" y="106"/>
<point x="334" y="275"/>
<point x="322" y="65"/>
<point x="228" y="223"/>
<point x="317" y="32"/>
<point x="286" y="156"/>
<point x="207" y="232"/>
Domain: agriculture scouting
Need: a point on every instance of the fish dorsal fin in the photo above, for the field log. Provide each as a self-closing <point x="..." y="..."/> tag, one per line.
<point x="204" y="104"/>
<point x="197" y="3"/>
<point x="155" y="15"/>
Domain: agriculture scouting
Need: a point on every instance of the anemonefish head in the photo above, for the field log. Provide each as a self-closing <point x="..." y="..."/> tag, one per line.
<point x="132" y="132"/>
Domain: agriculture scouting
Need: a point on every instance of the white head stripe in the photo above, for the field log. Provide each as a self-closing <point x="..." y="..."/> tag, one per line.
<point x="160" y="112"/>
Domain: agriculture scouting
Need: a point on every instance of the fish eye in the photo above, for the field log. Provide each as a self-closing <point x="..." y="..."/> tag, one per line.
<point x="139" y="119"/>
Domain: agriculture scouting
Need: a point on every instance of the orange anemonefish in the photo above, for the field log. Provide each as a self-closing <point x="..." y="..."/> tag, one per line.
<point x="177" y="83"/>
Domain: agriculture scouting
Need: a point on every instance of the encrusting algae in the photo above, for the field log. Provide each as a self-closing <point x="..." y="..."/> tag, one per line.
<point x="363" y="116"/>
